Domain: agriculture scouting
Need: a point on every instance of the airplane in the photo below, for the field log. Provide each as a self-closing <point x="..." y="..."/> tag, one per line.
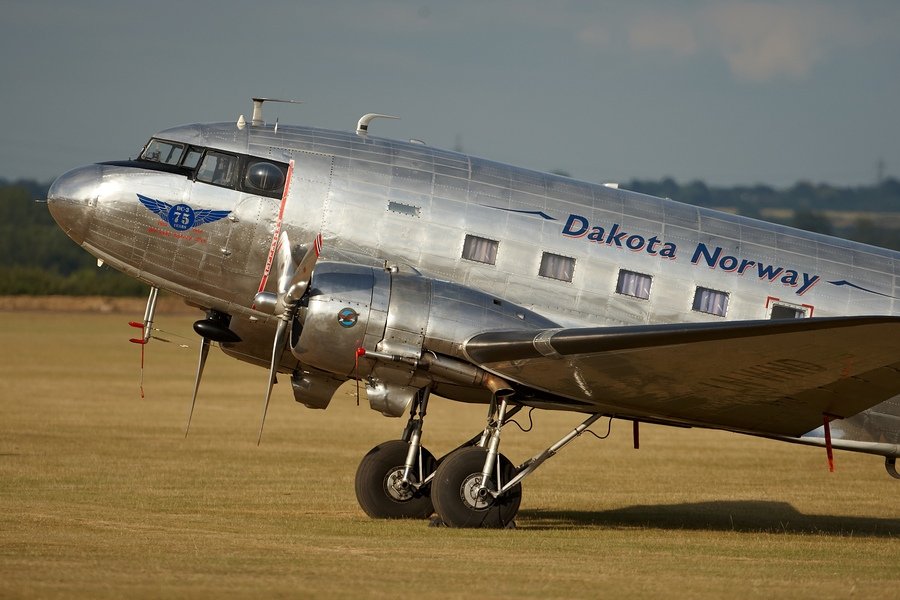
<point x="328" y="256"/>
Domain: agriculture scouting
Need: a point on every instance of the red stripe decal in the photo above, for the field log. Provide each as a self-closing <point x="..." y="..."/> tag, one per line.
<point x="271" y="258"/>
<point x="318" y="245"/>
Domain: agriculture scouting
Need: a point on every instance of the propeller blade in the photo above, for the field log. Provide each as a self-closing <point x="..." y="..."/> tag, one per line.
<point x="204" y="352"/>
<point x="284" y="263"/>
<point x="277" y="351"/>
<point x="303" y="274"/>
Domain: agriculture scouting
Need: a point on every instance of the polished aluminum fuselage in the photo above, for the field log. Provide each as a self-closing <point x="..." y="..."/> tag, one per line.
<point x="382" y="202"/>
<point x="377" y="200"/>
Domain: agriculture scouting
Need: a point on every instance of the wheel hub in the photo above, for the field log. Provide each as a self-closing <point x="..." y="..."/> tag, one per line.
<point x="396" y="488"/>
<point x="473" y="494"/>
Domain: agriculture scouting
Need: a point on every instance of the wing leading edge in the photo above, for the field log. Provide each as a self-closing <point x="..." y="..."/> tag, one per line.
<point x="766" y="377"/>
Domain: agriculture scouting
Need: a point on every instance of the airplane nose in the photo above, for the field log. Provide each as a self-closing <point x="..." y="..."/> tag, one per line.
<point x="71" y="199"/>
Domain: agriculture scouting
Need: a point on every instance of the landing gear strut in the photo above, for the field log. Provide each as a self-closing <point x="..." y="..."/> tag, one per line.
<point x="382" y="491"/>
<point x="393" y="480"/>
<point x="468" y="483"/>
<point x="463" y="497"/>
<point x="472" y="486"/>
<point x="478" y="486"/>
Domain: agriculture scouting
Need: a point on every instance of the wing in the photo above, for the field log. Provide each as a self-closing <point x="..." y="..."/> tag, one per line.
<point x="768" y="377"/>
<point x="157" y="206"/>
<point x="201" y="217"/>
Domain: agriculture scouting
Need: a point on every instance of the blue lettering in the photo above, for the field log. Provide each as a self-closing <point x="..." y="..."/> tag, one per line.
<point x="768" y="271"/>
<point x="577" y="226"/>
<point x="808" y="282"/>
<point x="728" y="263"/>
<point x="596" y="235"/>
<point x="615" y="236"/>
<point x="635" y="243"/>
<point x="790" y="278"/>
<point x="703" y="251"/>
<point x="570" y="229"/>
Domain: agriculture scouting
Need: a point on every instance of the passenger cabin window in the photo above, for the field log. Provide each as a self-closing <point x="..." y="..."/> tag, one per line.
<point x="633" y="284"/>
<point x="555" y="266"/>
<point x="480" y="249"/>
<point x="711" y="301"/>
<point x="218" y="169"/>
<point x="784" y="311"/>
<point x="161" y="151"/>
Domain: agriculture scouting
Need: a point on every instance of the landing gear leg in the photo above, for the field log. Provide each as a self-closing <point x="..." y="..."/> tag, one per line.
<point x="393" y="479"/>
<point x="476" y="486"/>
<point x="469" y="487"/>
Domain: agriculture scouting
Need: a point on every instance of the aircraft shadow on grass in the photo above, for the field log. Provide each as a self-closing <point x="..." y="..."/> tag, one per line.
<point x="743" y="516"/>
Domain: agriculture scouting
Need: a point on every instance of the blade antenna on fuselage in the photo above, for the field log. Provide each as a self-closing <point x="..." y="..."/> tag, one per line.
<point x="362" y="126"/>
<point x="257" y="118"/>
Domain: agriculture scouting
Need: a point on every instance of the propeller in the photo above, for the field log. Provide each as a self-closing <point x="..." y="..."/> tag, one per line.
<point x="293" y="280"/>
<point x="215" y="327"/>
<point x="204" y="352"/>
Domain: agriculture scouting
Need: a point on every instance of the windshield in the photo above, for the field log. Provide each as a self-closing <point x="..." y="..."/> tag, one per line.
<point x="161" y="151"/>
<point x="242" y="172"/>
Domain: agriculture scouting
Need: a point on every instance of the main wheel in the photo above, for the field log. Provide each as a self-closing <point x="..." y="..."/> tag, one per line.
<point x="455" y="491"/>
<point x="379" y="483"/>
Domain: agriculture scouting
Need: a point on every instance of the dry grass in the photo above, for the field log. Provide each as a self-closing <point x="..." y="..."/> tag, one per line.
<point x="102" y="497"/>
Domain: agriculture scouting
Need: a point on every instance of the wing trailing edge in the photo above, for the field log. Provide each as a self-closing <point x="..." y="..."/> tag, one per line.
<point x="764" y="377"/>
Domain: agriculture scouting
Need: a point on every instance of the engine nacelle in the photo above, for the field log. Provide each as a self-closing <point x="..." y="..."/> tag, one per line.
<point x="402" y="315"/>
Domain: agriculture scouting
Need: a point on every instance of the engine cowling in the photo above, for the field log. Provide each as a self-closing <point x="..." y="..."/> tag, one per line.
<point x="398" y="315"/>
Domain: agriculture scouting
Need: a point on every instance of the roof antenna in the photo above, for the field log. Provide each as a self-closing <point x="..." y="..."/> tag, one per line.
<point x="257" y="118"/>
<point x="362" y="126"/>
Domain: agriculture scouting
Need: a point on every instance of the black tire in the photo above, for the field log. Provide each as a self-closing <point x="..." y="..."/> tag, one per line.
<point x="455" y="481"/>
<point x="377" y="495"/>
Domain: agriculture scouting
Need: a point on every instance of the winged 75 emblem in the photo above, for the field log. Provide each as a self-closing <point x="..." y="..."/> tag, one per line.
<point x="182" y="217"/>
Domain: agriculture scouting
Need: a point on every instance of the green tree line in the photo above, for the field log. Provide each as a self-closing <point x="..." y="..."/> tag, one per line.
<point x="37" y="258"/>
<point x="806" y="203"/>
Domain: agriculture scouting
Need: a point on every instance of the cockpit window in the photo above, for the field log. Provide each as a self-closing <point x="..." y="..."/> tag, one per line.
<point x="218" y="169"/>
<point x="192" y="157"/>
<point x="161" y="151"/>
<point x="241" y="172"/>
<point x="264" y="176"/>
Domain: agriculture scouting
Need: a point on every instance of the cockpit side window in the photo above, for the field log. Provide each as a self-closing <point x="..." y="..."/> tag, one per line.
<point x="161" y="151"/>
<point x="264" y="177"/>
<point x="192" y="157"/>
<point x="218" y="168"/>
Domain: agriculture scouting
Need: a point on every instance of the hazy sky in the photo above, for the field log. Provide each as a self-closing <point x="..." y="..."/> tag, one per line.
<point x="727" y="92"/>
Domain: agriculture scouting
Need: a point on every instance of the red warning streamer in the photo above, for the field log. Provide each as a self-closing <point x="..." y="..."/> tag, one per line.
<point x="828" y="450"/>
<point x="359" y="352"/>
<point x="143" y="342"/>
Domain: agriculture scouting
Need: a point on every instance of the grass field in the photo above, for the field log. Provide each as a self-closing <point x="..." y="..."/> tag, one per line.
<point x="102" y="496"/>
